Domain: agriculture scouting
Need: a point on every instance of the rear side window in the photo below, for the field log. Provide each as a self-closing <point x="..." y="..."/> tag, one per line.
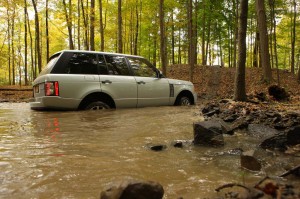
<point x="116" y="65"/>
<point x="50" y="65"/>
<point x="82" y="63"/>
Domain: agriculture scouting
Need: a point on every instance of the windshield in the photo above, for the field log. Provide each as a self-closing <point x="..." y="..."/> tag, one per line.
<point x="50" y="64"/>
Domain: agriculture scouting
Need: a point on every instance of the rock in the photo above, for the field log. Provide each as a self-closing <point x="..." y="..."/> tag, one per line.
<point x="248" y="161"/>
<point x="134" y="189"/>
<point x="241" y="123"/>
<point x="178" y="144"/>
<point x="208" y="133"/>
<point x="261" y="131"/>
<point x="158" y="147"/>
<point x="278" y="93"/>
<point x="275" y="142"/>
<point x="293" y="136"/>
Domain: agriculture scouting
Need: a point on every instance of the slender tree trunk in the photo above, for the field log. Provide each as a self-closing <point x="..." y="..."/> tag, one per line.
<point x="13" y="48"/>
<point x="78" y="25"/>
<point x="25" y="43"/>
<point x="37" y="37"/>
<point x="9" y="45"/>
<point x="240" y="84"/>
<point x="203" y="32"/>
<point x="293" y="37"/>
<point x="236" y="29"/>
<point x="191" y="37"/>
<point x="120" y="41"/>
<point x="163" y="47"/>
<point x="173" y="37"/>
<point x="85" y="22"/>
<point x="47" y="32"/>
<point x="264" y="43"/>
<point x="137" y="24"/>
<point x="272" y="5"/>
<point x="92" y="26"/>
<point x="69" y="22"/>
<point x="101" y="26"/>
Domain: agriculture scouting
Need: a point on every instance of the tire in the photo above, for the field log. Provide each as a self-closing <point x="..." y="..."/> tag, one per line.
<point x="184" y="101"/>
<point x="97" y="106"/>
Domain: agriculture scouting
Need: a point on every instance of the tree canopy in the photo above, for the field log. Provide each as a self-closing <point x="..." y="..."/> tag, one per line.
<point x="200" y="32"/>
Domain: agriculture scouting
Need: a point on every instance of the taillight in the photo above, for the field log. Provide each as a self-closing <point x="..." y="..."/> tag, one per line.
<point x="51" y="89"/>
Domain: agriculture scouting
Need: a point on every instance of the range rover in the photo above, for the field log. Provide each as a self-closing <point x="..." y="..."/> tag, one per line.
<point x="90" y="80"/>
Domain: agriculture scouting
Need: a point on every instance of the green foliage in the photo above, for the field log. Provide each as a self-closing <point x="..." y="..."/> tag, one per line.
<point x="215" y="25"/>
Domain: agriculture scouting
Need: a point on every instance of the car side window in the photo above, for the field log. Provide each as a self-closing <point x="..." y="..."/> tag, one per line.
<point x="141" y="67"/>
<point x="82" y="63"/>
<point x="116" y="65"/>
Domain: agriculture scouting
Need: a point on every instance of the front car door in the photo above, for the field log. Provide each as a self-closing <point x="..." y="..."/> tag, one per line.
<point x="152" y="90"/>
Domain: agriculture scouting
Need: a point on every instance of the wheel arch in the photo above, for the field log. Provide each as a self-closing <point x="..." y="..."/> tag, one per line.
<point x="185" y="93"/>
<point x="97" y="96"/>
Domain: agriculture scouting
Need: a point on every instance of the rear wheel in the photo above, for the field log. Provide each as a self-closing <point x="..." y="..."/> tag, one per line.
<point x="97" y="106"/>
<point x="184" y="101"/>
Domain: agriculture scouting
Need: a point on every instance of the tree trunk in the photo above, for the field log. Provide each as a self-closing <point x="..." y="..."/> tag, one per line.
<point x="137" y="24"/>
<point x="240" y="85"/>
<point x="236" y="32"/>
<point x="264" y="43"/>
<point x="85" y="22"/>
<point x="69" y="22"/>
<point x="13" y="48"/>
<point x="293" y="37"/>
<point x="47" y="32"/>
<point x="120" y="41"/>
<point x="163" y="47"/>
<point x="25" y="42"/>
<point x="78" y="24"/>
<point x="191" y="38"/>
<point x="92" y="26"/>
<point x="203" y="33"/>
<point x="101" y="26"/>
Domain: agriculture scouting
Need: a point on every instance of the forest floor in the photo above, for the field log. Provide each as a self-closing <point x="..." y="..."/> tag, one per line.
<point x="210" y="83"/>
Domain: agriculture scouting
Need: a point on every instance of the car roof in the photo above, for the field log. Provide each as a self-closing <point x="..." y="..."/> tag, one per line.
<point x="97" y="52"/>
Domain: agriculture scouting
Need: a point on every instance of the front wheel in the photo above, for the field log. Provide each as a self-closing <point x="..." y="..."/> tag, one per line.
<point x="184" y="101"/>
<point x="97" y="106"/>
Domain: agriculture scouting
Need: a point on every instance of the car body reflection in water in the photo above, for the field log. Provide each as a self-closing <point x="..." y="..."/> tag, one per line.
<point x="79" y="154"/>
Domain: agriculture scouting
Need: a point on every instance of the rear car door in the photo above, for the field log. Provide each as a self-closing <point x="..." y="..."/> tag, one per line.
<point x="152" y="90"/>
<point x="119" y="82"/>
<point x="82" y="77"/>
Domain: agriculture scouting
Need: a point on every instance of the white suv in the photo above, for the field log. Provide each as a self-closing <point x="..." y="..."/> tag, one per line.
<point x="82" y="80"/>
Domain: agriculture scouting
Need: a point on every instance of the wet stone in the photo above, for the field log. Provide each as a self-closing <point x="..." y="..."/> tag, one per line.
<point x="134" y="189"/>
<point x="208" y="133"/>
<point x="248" y="161"/>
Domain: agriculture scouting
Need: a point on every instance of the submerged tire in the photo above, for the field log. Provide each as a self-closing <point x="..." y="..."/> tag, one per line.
<point x="184" y="101"/>
<point x="97" y="106"/>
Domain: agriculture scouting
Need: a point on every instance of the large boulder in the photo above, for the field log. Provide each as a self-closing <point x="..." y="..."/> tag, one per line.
<point x="134" y="189"/>
<point x="293" y="136"/>
<point x="208" y="133"/>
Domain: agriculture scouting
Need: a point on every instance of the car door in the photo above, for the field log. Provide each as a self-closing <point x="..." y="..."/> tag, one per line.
<point x="152" y="90"/>
<point x="119" y="82"/>
<point x="82" y="75"/>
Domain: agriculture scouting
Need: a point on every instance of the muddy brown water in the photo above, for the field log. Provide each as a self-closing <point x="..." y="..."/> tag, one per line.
<point x="79" y="154"/>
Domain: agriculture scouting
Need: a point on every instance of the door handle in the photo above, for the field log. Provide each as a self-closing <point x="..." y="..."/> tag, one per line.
<point x="141" y="82"/>
<point x="106" y="82"/>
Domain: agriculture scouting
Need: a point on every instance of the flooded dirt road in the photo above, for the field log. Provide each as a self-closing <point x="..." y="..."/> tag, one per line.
<point x="79" y="154"/>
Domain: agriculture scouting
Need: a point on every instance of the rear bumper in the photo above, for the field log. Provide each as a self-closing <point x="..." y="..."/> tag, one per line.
<point x="52" y="102"/>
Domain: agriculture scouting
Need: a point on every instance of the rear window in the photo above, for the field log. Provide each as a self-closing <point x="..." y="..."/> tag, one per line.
<point x="50" y="65"/>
